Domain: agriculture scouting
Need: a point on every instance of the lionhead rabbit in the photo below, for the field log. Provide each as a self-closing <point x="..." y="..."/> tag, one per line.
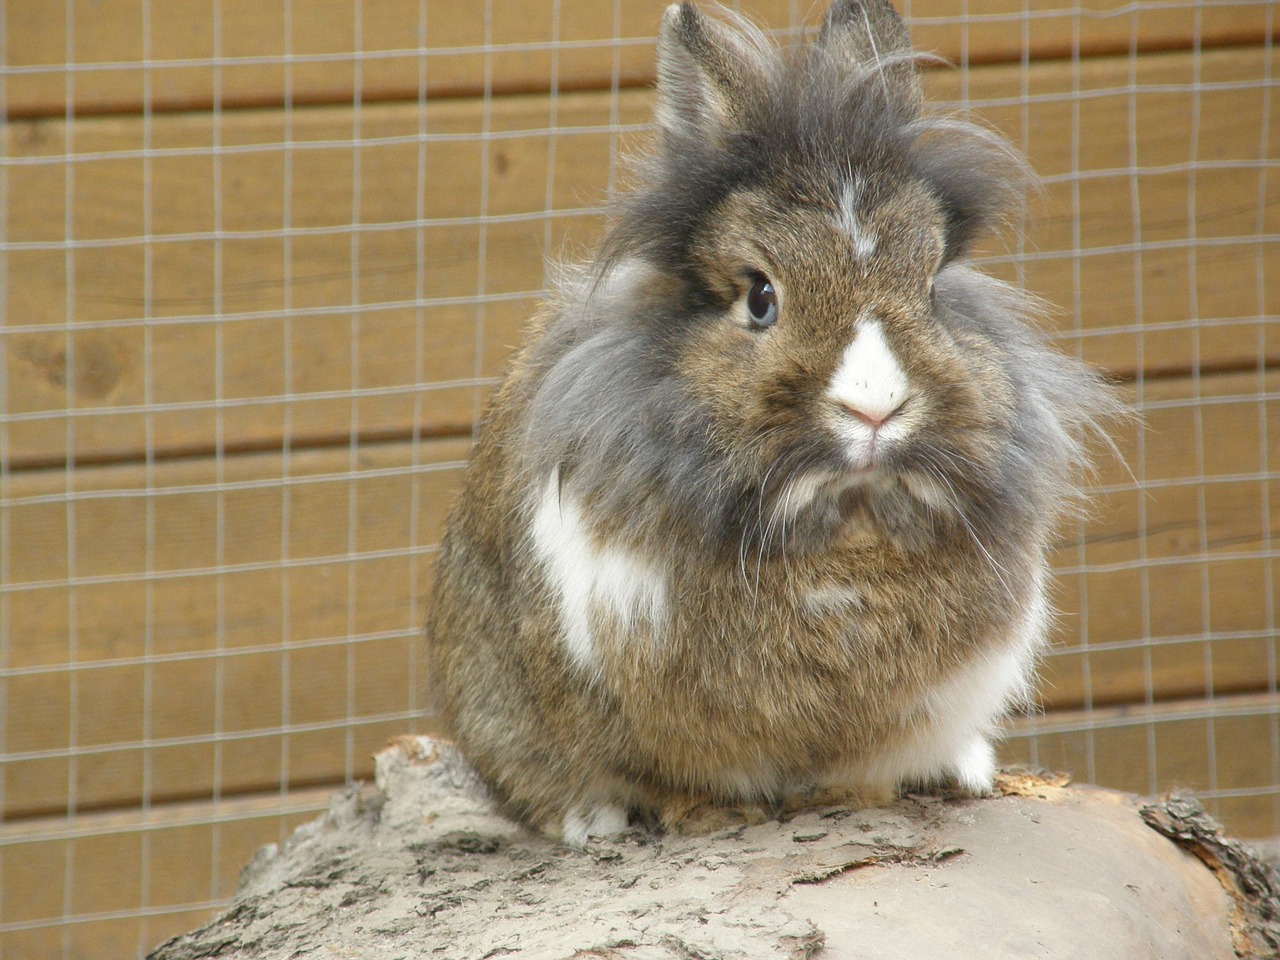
<point x="762" y="505"/>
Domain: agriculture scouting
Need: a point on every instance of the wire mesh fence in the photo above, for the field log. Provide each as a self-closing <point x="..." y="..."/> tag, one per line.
<point x="261" y="262"/>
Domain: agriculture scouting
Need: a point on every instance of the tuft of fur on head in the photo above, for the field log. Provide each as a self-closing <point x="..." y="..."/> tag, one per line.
<point x="802" y="117"/>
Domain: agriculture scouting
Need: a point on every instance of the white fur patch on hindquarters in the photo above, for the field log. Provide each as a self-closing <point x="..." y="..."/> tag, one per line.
<point x="585" y="821"/>
<point x="964" y="712"/>
<point x="974" y="767"/>
<point x="587" y="576"/>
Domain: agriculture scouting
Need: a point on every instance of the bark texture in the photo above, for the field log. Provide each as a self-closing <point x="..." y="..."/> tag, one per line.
<point x="422" y="866"/>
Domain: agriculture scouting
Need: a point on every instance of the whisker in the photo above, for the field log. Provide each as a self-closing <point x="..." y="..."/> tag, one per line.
<point x="759" y="527"/>
<point x="1000" y="572"/>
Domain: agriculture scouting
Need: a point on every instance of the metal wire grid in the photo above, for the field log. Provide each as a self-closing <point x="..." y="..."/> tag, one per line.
<point x="73" y="497"/>
<point x="1211" y="710"/>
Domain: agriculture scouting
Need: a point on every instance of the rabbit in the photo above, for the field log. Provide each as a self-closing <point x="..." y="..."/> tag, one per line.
<point x="761" y="508"/>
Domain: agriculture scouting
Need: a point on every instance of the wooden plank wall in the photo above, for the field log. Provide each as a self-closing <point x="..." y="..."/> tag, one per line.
<point x="255" y="285"/>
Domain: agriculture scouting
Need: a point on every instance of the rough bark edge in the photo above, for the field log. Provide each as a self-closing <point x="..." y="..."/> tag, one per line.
<point x="457" y="826"/>
<point x="1252" y="884"/>
<point x="462" y="827"/>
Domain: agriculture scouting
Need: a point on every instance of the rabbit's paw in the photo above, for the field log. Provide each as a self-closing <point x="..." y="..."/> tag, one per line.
<point x="837" y="795"/>
<point x="974" y="768"/>
<point x="691" y="816"/>
<point x="588" y="820"/>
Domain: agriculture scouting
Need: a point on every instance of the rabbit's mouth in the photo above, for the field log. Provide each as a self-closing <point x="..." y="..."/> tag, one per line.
<point x="881" y="498"/>
<point x="866" y="449"/>
<point x="812" y="491"/>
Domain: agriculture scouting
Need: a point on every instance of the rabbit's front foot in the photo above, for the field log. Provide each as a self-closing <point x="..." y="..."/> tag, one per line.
<point x="588" y="820"/>
<point x="974" y="767"/>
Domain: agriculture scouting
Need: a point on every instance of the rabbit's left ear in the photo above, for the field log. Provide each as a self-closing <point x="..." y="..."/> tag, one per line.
<point x="707" y="72"/>
<point x="870" y="34"/>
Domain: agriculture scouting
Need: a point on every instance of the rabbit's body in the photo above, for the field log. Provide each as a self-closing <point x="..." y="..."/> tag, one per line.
<point x="763" y="504"/>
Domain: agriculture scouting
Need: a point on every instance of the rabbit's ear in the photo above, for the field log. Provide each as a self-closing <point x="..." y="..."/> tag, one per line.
<point x="870" y="34"/>
<point x="706" y="71"/>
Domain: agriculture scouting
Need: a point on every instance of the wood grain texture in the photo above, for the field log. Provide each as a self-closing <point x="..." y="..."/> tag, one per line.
<point x="291" y="651"/>
<point x="301" y="318"/>
<point x="1163" y="587"/>
<point x="227" y="330"/>
<point x="241" y="52"/>
<point x="285" y="647"/>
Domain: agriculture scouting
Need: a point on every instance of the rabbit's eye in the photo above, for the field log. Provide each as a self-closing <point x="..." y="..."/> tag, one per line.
<point x="762" y="304"/>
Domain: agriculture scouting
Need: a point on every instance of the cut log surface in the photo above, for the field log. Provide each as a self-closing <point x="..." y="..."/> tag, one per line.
<point x="425" y="867"/>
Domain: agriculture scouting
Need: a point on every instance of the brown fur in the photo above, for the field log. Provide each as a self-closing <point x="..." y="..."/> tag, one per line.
<point x="747" y="692"/>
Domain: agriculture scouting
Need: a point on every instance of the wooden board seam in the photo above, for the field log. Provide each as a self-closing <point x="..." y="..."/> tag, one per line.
<point x="213" y="739"/>
<point x="626" y="79"/>
<point x="161" y="816"/>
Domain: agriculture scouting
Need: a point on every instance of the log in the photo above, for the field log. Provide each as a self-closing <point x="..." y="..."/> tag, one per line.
<point x="424" y="866"/>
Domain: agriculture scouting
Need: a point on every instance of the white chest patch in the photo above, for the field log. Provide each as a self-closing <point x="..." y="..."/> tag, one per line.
<point x="590" y="578"/>
<point x="871" y="384"/>
<point x="977" y="695"/>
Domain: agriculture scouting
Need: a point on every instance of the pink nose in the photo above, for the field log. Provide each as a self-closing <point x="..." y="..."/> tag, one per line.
<point x="875" y="419"/>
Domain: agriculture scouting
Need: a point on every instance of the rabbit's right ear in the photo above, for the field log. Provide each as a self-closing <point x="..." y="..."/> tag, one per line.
<point x="706" y="72"/>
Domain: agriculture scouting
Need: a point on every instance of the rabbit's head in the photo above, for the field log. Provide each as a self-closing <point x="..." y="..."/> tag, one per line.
<point x="783" y="336"/>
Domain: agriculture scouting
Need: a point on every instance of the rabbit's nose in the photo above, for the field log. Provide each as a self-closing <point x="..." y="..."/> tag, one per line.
<point x="869" y="384"/>
<point x="874" y="416"/>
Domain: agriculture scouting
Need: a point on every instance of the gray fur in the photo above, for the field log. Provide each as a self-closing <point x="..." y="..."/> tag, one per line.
<point x="612" y="413"/>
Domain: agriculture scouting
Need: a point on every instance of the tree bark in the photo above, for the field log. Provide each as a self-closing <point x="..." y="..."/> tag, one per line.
<point x="424" y="867"/>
